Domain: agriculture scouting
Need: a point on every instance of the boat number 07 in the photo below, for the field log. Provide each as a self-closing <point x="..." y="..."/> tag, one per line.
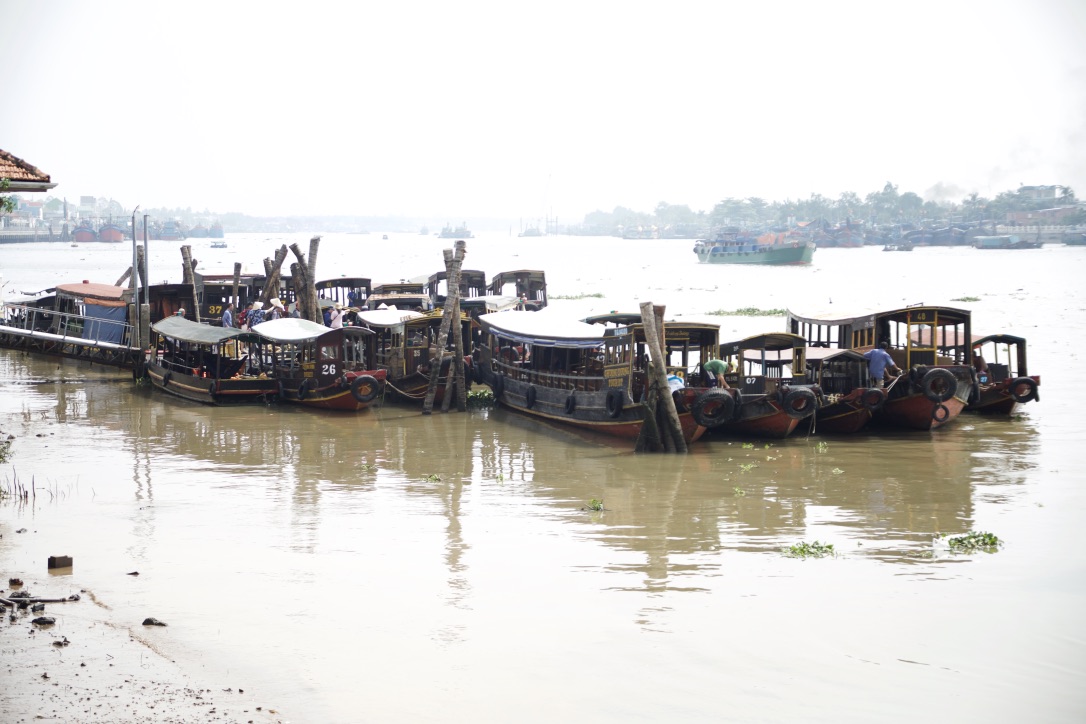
<point x="328" y="370"/>
<point x="750" y="380"/>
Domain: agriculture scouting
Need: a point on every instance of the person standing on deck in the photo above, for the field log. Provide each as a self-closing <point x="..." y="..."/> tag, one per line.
<point x="718" y="368"/>
<point x="878" y="362"/>
<point x="228" y="315"/>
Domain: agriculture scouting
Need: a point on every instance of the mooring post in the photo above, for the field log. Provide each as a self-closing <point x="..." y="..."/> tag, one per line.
<point x="658" y="371"/>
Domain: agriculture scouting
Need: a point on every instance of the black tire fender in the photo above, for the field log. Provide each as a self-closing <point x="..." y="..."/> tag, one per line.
<point x="303" y="389"/>
<point x="571" y="403"/>
<point x="873" y="398"/>
<point x="211" y="388"/>
<point x="616" y="399"/>
<point x="529" y="397"/>
<point x="167" y="377"/>
<point x="713" y="408"/>
<point x="799" y="403"/>
<point x="938" y="385"/>
<point x="365" y="388"/>
<point x="498" y="385"/>
<point x="940" y="412"/>
<point x="1023" y="389"/>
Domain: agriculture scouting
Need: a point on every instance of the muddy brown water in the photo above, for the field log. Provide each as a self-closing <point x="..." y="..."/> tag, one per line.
<point x="389" y="566"/>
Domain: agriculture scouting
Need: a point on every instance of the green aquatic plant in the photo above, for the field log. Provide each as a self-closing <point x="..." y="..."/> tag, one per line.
<point x="739" y="492"/>
<point x="595" y="504"/>
<point x="595" y="295"/>
<point x="966" y="299"/>
<point x="837" y="471"/>
<point x="481" y="398"/>
<point x="749" y="312"/>
<point x="747" y="467"/>
<point x="822" y="447"/>
<point x="433" y="478"/>
<point x="974" y="541"/>
<point x="5" y="450"/>
<point x="810" y="550"/>
<point x="748" y="446"/>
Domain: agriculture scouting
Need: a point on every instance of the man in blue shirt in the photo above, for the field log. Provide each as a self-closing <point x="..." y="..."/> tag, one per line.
<point x="878" y="361"/>
<point x="227" y="315"/>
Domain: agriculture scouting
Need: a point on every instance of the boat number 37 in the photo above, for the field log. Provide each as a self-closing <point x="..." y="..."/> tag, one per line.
<point x="329" y="370"/>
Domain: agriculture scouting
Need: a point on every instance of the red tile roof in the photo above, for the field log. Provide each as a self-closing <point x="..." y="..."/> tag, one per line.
<point x="21" y="174"/>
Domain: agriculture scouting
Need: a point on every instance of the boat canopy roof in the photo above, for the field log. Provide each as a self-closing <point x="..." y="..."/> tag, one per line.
<point x="772" y="341"/>
<point x="997" y="339"/>
<point x="388" y="317"/>
<point x="289" y="329"/>
<point x="625" y="319"/>
<point x="106" y="294"/>
<point x="489" y="303"/>
<point x="186" y="330"/>
<point x="829" y="354"/>
<point x="544" y="330"/>
<point x="951" y="315"/>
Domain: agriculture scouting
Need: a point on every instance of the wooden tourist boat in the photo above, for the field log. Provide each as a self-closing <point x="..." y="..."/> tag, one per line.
<point x="1002" y="378"/>
<point x="568" y="372"/>
<point x="938" y="382"/>
<point x="731" y="248"/>
<point x="213" y="365"/>
<point x="313" y="365"/>
<point x="840" y="378"/>
<point x="405" y="343"/>
<point x="769" y="393"/>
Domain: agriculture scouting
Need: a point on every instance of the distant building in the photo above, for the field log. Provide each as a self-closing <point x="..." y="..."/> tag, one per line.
<point x="1039" y="193"/>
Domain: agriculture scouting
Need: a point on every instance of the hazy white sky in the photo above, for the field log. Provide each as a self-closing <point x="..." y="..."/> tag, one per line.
<point x="512" y="109"/>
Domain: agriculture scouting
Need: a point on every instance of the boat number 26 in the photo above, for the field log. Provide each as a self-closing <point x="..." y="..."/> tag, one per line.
<point x="328" y="370"/>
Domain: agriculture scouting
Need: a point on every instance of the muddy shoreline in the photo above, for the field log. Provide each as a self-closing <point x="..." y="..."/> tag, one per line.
<point x="91" y="667"/>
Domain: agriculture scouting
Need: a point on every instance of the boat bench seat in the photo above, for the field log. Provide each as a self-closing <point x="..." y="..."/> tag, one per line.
<point x="998" y="372"/>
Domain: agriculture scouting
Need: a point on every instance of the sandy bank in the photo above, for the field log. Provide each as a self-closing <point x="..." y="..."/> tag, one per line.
<point x="90" y="667"/>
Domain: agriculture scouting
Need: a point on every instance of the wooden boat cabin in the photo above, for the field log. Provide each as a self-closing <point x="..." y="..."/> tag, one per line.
<point x="213" y="365"/>
<point x="1002" y="375"/>
<point x="405" y="345"/>
<point x="528" y="285"/>
<point x="215" y="291"/>
<point x="401" y="295"/>
<point x="333" y="369"/>
<point x="472" y="284"/>
<point x="567" y="371"/>
<point x="928" y="342"/>
<point x="348" y="291"/>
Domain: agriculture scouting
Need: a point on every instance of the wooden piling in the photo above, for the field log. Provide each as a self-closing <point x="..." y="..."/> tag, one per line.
<point x="188" y="269"/>
<point x="454" y="260"/>
<point x="234" y="298"/>
<point x="654" y="342"/>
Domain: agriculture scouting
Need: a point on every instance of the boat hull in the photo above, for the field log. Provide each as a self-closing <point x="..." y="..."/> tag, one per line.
<point x="777" y="254"/>
<point x="998" y="398"/>
<point x="588" y="411"/>
<point x="843" y="417"/>
<point x="209" y="391"/>
<point x="338" y="395"/>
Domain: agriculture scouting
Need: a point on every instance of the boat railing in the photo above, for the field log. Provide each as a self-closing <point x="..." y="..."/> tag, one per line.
<point x="65" y="325"/>
<point x="575" y="379"/>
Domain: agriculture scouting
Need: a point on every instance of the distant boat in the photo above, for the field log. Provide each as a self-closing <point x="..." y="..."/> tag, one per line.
<point x="1006" y="241"/>
<point x="904" y="246"/>
<point x="215" y="232"/>
<point x="218" y="245"/>
<point x="424" y="231"/>
<point x="171" y="231"/>
<point x="730" y="248"/>
<point x="199" y="232"/>
<point x="111" y="232"/>
<point x="531" y="231"/>
<point x="84" y="233"/>
<point x="460" y="232"/>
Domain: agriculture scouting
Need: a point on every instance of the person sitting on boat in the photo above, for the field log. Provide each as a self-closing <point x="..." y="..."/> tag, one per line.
<point x="243" y="316"/>
<point x="879" y="363"/>
<point x="980" y="366"/>
<point x="180" y="312"/>
<point x="718" y="368"/>
<point x="228" y="315"/>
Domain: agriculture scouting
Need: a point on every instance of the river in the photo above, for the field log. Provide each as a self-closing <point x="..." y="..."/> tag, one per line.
<point x="388" y="566"/>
